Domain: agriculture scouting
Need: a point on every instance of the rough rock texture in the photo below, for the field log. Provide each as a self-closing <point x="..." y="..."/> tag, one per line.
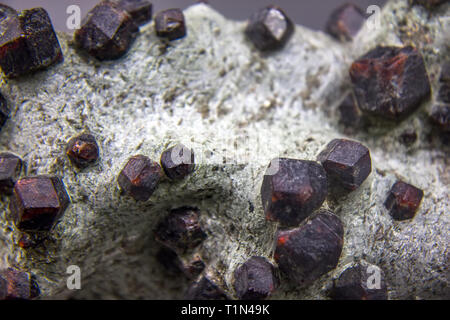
<point x="214" y="92"/>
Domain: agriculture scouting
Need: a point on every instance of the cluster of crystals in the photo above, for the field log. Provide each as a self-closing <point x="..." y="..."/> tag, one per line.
<point x="309" y="242"/>
<point x="141" y="176"/>
<point x="110" y="28"/>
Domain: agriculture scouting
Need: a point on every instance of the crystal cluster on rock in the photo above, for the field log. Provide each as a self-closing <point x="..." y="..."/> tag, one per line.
<point x="292" y="189"/>
<point x="10" y="167"/>
<point x="360" y="282"/>
<point x="345" y="22"/>
<point x="170" y="24"/>
<point x="17" y="285"/>
<point x="346" y="162"/>
<point x="256" y="279"/>
<point x="269" y="28"/>
<point x="107" y="32"/>
<point x="390" y="82"/>
<point x="82" y="150"/>
<point x="180" y="230"/>
<point x="140" y="177"/>
<point x="38" y="202"/>
<point x="310" y="250"/>
<point x="28" y="42"/>
<point x="403" y="200"/>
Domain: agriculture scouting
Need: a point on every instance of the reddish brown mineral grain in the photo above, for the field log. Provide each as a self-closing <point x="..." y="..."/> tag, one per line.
<point x="178" y="162"/>
<point x="345" y="22"/>
<point x="28" y="42"/>
<point x="309" y="251"/>
<point x="17" y="285"/>
<point x="10" y="167"/>
<point x="269" y="28"/>
<point x="82" y="150"/>
<point x="256" y="279"/>
<point x="38" y="202"/>
<point x="390" y="82"/>
<point x="292" y="189"/>
<point x="181" y="230"/>
<point x="170" y="24"/>
<point x="140" y="177"/>
<point x="403" y="200"/>
<point x="107" y="32"/>
<point x="346" y="162"/>
<point x="360" y="282"/>
<point x="139" y="10"/>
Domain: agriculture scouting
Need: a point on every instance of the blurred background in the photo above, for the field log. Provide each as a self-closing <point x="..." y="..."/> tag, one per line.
<point x="310" y="13"/>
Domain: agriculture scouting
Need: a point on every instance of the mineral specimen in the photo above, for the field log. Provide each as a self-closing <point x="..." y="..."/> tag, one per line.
<point x="82" y="150"/>
<point x="292" y="189"/>
<point x="10" y="167"/>
<point x="360" y="282"/>
<point x="345" y="22"/>
<point x="269" y="28"/>
<point x="17" y="285"/>
<point x="107" y="32"/>
<point x="27" y="43"/>
<point x="140" y="177"/>
<point x="309" y="251"/>
<point x="403" y="200"/>
<point x="205" y="289"/>
<point x="139" y="10"/>
<point x="4" y="111"/>
<point x="255" y="279"/>
<point x="390" y="82"/>
<point x="170" y="24"/>
<point x="38" y="202"/>
<point x="346" y="162"/>
<point x="180" y="230"/>
<point x="178" y="162"/>
<point x="440" y="116"/>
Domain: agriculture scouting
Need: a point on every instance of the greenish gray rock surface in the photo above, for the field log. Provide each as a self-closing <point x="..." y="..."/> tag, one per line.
<point x="237" y="109"/>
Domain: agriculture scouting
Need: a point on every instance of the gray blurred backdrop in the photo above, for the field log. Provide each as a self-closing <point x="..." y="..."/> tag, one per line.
<point x="311" y="13"/>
